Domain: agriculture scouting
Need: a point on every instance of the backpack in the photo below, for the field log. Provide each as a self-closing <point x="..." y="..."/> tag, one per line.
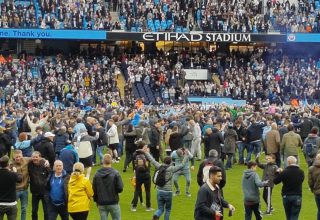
<point x="205" y="171"/>
<point x="141" y="164"/>
<point x="159" y="177"/>
<point x="311" y="147"/>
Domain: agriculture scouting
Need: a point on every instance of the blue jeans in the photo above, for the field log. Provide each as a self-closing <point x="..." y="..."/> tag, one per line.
<point x="164" y="202"/>
<point x="100" y="152"/>
<point x="292" y="206"/>
<point x="23" y="196"/>
<point x="186" y="174"/>
<point x="255" y="148"/>
<point x="114" y="210"/>
<point x="317" y="198"/>
<point x="240" y="146"/>
<point x="229" y="161"/>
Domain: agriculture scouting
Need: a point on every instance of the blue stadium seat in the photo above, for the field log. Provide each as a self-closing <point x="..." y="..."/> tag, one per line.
<point x="185" y="30"/>
<point x="164" y="25"/>
<point x="178" y="29"/>
<point x="133" y="29"/>
<point x="169" y="23"/>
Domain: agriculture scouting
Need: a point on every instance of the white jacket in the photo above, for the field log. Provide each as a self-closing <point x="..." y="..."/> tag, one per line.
<point x="113" y="135"/>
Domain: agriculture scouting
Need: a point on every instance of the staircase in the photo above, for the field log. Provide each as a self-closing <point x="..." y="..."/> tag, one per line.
<point x="29" y="46"/>
<point x="121" y="82"/>
<point x="114" y="16"/>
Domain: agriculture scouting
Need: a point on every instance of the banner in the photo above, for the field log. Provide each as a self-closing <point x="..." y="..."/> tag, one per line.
<point x="52" y="34"/>
<point x="196" y="74"/>
<point x="195" y="37"/>
<point x="300" y="37"/>
<point x="216" y="100"/>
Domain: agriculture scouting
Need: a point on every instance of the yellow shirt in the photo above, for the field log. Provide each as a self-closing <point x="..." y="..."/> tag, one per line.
<point x="80" y="193"/>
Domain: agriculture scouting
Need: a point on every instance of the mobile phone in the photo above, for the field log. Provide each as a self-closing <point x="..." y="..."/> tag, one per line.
<point x="230" y="212"/>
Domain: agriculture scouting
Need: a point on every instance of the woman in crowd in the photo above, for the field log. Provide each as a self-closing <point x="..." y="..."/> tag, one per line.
<point x="80" y="193"/>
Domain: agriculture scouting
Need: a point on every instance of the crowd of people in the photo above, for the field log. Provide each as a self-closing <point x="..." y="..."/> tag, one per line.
<point x="55" y="150"/>
<point x="89" y="78"/>
<point x="159" y="15"/>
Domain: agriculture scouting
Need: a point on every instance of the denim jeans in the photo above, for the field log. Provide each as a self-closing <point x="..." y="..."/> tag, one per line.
<point x="229" y="161"/>
<point x="255" y="148"/>
<point x="164" y="199"/>
<point x="35" y="206"/>
<point x="114" y="210"/>
<point x="100" y="152"/>
<point x="120" y="146"/>
<point x="240" y="146"/>
<point x="292" y="206"/>
<point x="23" y="196"/>
<point x="317" y="198"/>
<point x="10" y="211"/>
<point x="186" y="174"/>
<point x="255" y="208"/>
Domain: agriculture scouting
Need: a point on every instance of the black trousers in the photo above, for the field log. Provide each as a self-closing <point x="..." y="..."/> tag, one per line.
<point x="79" y="215"/>
<point x="138" y="191"/>
<point x="35" y="206"/>
<point x="155" y="153"/>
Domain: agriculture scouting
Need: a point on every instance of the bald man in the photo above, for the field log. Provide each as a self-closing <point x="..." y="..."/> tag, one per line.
<point x="292" y="178"/>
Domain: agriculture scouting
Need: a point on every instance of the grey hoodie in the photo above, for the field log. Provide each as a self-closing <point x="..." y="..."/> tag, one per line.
<point x="250" y="186"/>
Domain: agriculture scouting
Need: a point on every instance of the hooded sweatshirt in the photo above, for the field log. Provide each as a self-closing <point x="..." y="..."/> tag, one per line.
<point x="107" y="184"/>
<point x="250" y="186"/>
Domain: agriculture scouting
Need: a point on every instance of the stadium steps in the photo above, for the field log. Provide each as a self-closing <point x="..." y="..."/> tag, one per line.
<point x="121" y="82"/>
<point x="29" y="46"/>
<point x="114" y="16"/>
<point x="216" y="79"/>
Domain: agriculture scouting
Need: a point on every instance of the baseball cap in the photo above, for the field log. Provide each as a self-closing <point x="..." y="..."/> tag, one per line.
<point x="49" y="134"/>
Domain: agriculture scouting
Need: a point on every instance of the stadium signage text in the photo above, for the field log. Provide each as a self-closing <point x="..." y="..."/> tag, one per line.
<point x="52" y="34"/>
<point x="195" y="37"/>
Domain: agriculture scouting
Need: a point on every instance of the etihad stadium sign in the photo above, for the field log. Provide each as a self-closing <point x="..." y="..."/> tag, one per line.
<point x="195" y="37"/>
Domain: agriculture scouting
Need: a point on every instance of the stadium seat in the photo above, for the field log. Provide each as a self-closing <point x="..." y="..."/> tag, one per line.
<point x="163" y="25"/>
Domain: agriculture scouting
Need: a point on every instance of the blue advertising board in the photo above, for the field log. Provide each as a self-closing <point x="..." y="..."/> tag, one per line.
<point x="300" y="37"/>
<point x="52" y="34"/>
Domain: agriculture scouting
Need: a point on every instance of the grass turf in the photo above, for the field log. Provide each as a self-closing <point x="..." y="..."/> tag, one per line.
<point x="183" y="207"/>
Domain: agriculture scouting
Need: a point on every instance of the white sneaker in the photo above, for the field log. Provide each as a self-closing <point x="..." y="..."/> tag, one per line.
<point x="149" y="209"/>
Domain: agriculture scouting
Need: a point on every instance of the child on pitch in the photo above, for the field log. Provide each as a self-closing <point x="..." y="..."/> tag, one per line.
<point x="269" y="171"/>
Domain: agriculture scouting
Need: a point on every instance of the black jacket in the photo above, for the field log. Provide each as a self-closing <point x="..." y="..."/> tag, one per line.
<point x="60" y="141"/>
<point x="5" y="144"/>
<point x="175" y="141"/>
<point x="216" y="162"/>
<point x="205" y="200"/>
<point x="130" y="138"/>
<point x="139" y="174"/>
<point x="107" y="184"/>
<point x="38" y="177"/>
<point x="305" y="127"/>
<point x="154" y="137"/>
<point x="254" y="131"/>
<point x="103" y="138"/>
<point x="8" y="185"/>
<point x="214" y="141"/>
<point x="46" y="149"/>
<point x="292" y="178"/>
